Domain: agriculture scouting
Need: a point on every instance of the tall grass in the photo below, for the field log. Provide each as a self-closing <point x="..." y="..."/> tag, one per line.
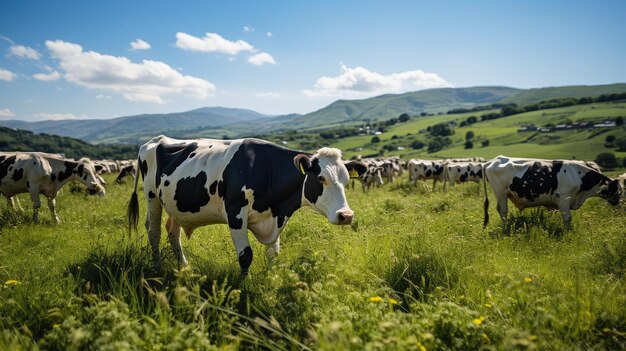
<point x="415" y="271"/>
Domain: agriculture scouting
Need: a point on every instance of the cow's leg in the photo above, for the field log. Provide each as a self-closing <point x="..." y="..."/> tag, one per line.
<point x="564" y="207"/>
<point x="173" y="235"/>
<point x="53" y="211"/>
<point x="239" y="234"/>
<point x="272" y="251"/>
<point x="34" y="196"/>
<point x="153" y="226"/>
<point x="503" y="210"/>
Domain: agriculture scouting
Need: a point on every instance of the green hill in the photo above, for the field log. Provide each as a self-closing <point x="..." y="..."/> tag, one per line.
<point x="24" y="140"/>
<point x="532" y="96"/>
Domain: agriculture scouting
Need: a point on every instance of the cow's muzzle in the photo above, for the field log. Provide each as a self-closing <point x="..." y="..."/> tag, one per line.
<point x="344" y="216"/>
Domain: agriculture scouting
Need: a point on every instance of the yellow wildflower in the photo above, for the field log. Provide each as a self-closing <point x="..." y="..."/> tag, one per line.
<point x="393" y="301"/>
<point x="376" y="299"/>
<point x="528" y="280"/>
<point x="488" y="305"/>
<point x="11" y="282"/>
<point x="478" y="321"/>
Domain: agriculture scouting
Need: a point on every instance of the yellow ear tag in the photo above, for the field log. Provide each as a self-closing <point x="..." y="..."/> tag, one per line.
<point x="302" y="169"/>
<point x="354" y="173"/>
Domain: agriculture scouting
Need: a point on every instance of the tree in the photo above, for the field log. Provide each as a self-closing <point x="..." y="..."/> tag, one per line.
<point x="404" y="117"/>
<point x="619" y="121"/>
<point x="469" y="136"/>
<point x="469" y="144"/>
<point x="485" y="143"/>
<point x="375" y="140"/>
<point x="610" y="139"/>
<point x="606" y="160"/>
<point x="621" y="144"/>
<point x="416" y="145"/>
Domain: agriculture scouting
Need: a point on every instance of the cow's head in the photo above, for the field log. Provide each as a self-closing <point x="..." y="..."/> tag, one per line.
<point x="612" y="191"/>
<point x="326" y="176"/>
<point x="86" y="173"/>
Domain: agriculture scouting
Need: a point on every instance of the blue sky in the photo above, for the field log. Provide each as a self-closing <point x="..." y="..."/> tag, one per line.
<point x="105" y="59"/>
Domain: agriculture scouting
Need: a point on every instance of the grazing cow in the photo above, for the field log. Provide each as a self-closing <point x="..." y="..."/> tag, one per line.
<point x="564" y="185"/>
<point x="373" y="176"/>
<point x="425" y="169"/>
<point x="246" y="183"/>
<point x="124" y="172"/>
<point x="40" y="173"/>
<point x="461" y="172"/>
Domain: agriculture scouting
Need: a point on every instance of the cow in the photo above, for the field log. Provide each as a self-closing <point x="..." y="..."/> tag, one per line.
<point x="560" y="184"/>
<point x="426" y="169"/>
<point x="40" y="173"/>
<point x="372" y="176"/>
<point x="245" y="183"/>
<point x="461" y="172"/>
<point x="124" y="172"/>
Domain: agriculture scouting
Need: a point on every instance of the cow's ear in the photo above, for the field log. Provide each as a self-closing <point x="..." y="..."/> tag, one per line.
<point x="355" y="168"/>
<point x="302" y="163"/>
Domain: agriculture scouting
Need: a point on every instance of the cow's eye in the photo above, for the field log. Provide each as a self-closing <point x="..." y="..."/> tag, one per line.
<point x="321" y="179"/>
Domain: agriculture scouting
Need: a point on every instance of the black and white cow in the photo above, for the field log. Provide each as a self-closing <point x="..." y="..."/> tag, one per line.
<point x="125" y="172"/>
<point x="373" y="176"/>
<point x="564" y="185"/>
<point x="461" y="172"/>
<point x="246" y="183"/>
<point x="40" y="173"/>
<point x="426" y="169"/>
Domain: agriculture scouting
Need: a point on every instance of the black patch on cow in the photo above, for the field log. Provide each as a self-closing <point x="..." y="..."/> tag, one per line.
<point x="591" y="179"/>
<point x="18" y="174"/>
<point x="169" y="157"/>
<point x="81" y="169"/>
<point x="69" y="169"/>
<point x="245" y="260"/>
<point x="5" y="163"/>
<point x="166" y="183"/>
<point x="428" y="173"/>
<point x="191" y="193"/>
<point x="538" y="179"/>
<point x="479" y="174"/>
<point x="53" y="177"/>
<point x="313" y="189"/>
<point x="151" y="194"/>
<point x="464" y="177"/>
<point x="213" y="188"/>
<point x="269" y="171"/>
<point x="192" y="155"/>
<point x="143" y="166"/>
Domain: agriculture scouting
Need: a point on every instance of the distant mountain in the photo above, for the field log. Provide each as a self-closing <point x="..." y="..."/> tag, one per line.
<point x="133" y="128"/>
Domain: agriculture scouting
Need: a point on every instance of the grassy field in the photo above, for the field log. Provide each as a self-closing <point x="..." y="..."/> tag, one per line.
<point x="416" y="271"/>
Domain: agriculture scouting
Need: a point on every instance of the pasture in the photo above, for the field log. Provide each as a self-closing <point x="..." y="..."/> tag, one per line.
<point x="415" y="271"/>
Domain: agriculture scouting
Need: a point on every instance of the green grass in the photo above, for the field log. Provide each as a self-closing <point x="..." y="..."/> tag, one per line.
<point x="85" y="284"/>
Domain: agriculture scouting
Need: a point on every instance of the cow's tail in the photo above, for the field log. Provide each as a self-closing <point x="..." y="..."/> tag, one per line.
<point x="486" y="209"/>
<point x="133" y="205"/>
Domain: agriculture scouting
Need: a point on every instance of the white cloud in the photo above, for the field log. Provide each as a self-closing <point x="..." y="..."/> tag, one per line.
<point x="6" y="75"/>
<point x="248" y="29"/>
<point x="47" y="77"/>
<point x="57" y="116"/>
<point x="360" y="82"/>
<point x="6" y="114"/>
<point x="24" y="51"/>
<point x="269" y="34"/>
<point x="102" y="96"/>
<point x="268" y="94"/>
<point x="212" y="42"/>
<point x="139" y="44"/>
<point x="261" y="59"/>
<point x="147" y="81"/>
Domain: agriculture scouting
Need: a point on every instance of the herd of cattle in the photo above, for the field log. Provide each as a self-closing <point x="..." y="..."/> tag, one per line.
<point x="251" y="184"/>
